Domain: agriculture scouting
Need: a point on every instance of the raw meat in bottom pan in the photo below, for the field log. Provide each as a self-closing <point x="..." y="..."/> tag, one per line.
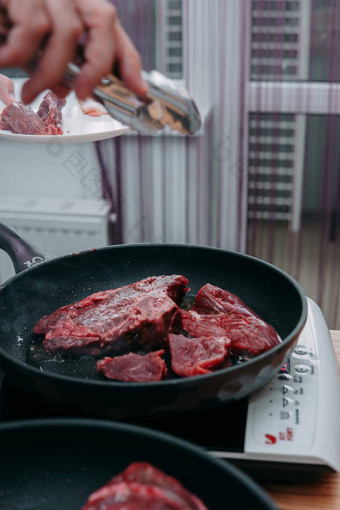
<point x="143" y="487"/>
<point x="116" y="320"/>
<point x="220" y="313"/>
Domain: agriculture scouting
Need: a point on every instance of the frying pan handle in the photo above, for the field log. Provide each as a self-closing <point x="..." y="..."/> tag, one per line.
<point x="22" y="253"/>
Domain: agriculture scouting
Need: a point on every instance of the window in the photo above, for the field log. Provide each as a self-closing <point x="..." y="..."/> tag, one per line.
<point x="279" y="40"/>
<point x="156" y="29"/>
<point x="293" y="119"/>
<point x="279" y="51"/>
<point x="172" y="38"/>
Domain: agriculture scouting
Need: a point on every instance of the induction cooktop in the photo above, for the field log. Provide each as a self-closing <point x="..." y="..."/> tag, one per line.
<point x="290" y="426"/>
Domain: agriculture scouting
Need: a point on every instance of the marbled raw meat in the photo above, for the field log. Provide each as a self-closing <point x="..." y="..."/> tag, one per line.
<point x="197" y="356"/>
<point x="50" y="111"/>
<point x="143" y="487"/>
<point x="21" y="119"/>
<point x="134" y="367"/>
<point x="218" y="312"/>
<point x="119" y="320"/>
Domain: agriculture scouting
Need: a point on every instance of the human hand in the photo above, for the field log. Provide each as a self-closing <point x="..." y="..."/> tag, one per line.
<point x="6" y="89"/>
<point x="61" y="24"/>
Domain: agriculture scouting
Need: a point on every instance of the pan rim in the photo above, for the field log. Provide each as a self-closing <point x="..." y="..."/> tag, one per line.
<point x="165" y="382"/>
<point x="229" y="469"/>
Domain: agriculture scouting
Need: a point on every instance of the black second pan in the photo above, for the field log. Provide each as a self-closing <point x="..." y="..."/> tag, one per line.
<point x="56" y="464"/>
<point x="40" y="289"/>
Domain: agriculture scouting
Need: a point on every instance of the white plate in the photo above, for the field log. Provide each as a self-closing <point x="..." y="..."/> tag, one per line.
<point x="77" y="126"/>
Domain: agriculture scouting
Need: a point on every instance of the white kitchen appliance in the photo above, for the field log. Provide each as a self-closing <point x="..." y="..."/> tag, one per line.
<point x="296" y="417"/>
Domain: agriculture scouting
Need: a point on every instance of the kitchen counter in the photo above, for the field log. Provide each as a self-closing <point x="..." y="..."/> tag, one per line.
<point x="321" y="494"/>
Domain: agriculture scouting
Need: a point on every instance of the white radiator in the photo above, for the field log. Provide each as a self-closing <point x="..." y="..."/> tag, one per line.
<point x="55" y="226"/>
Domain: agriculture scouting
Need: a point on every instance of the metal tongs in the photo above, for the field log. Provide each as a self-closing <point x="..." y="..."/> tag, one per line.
<point x="166" y="104"/>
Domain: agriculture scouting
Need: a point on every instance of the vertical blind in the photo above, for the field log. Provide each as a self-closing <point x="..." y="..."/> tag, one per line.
<point x="294" y="156"/>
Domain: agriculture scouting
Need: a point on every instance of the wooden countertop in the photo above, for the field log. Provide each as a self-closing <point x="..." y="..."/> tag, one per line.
<point x="322" y="494"/>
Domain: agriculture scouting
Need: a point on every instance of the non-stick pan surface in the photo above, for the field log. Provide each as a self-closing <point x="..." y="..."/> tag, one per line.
<point x="40" y="290"/>
<point x="57" y="464"/>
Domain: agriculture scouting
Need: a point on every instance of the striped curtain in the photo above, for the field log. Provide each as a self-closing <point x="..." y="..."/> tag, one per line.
<point x="293" y="148"/>
<point x="263" y="175"/>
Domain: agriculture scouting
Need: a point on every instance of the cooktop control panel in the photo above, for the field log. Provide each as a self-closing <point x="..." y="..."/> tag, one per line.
<point x="289" y="404"/>
<point x="296" y="417"/>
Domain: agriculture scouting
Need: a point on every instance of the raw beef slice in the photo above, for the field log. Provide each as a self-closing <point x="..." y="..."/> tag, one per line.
<point x="50" y="112"/>
<point x="197" y="356"/>
<point x="211" y="299"/>
<point x="21" y="119"/>
<point x="116" y="320"/>
<point x="143" y="487"/>
<point x="134" y="367"/>
<point x="218" y="312"/>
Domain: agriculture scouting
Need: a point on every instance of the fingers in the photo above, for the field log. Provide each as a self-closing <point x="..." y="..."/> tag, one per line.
<point x="107" y="44"/>
<point x="98" y="18"/>
<point x="66" y="28"/>
<point x="6" y="89"/>
<point x="60" y="24"/>
<point x="128" y="61"/>
<point x="24" y="37"/>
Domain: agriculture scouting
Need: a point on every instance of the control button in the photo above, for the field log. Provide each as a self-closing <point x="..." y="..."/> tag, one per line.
<point x="301" y="369"/>
<point x="284" y="377"/>
<point x="300" y="349"/>
<point x="286" y="389"/>
<point x="286" y="401"/>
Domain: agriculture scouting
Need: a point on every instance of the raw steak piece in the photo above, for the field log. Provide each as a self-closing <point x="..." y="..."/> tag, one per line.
<point x="142" y="486"/>
<point x="198" y="325"/>
<point x="132" y="496"/>
<point x="116" y="320"/>
<point x="211" y="299"/>
<point x="134" y="367"/>
<point x="197" y="356"/>
<point x="250" y="336"/>
<point x="50" y="112"/>
<point x="218" y="312"/>
<point x="21" y="119"/>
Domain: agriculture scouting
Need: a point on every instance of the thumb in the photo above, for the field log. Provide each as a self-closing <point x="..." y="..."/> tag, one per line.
<point x="6" y="89"/>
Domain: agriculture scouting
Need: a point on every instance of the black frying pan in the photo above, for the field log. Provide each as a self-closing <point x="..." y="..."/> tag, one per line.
<point x="41" y="289"/>
<point x="56" y="464"/>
